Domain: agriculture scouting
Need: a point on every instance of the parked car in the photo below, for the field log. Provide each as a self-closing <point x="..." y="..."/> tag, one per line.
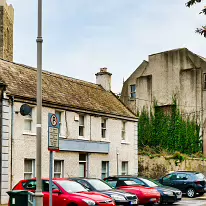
<point x="190" y="183"/>
<point x="66" y="193"/>
<point x="168" y="194"/>
<point x="146" y="196"/>
<point x="120" y="197"/>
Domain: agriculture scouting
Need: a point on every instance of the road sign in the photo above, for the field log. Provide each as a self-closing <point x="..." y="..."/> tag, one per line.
<point x="53" y="132"/>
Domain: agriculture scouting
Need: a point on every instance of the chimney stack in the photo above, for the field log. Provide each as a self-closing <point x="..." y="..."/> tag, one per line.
<point x="103" y="78"/>
<point x="6" y="30"/>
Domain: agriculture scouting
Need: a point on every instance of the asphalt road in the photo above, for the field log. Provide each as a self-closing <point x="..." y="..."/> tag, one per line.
<point x="190" y="202"/>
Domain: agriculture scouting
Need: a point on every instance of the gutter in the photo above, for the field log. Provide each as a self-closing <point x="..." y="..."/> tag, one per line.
<point x="12" y="136"/>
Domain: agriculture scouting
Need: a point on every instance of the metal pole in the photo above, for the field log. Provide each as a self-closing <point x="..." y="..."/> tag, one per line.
<point x="50" y="177"/>
<point x="38" y="193"/>
<point x="117" y="151"/>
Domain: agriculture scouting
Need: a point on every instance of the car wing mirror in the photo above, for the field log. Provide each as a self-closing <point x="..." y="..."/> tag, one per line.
<point x="56" y="191"/>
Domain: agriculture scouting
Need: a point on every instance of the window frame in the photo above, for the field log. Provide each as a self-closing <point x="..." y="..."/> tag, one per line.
<point x="123" y="131"/>
<point x="29" y="118"/>
<point x="81" y="126"/>
<point x="83" y="162"/>
<point x="133" y="92"/>
<point x="103" y="128"/>
<point x="62" y="169"/>
<point x="126" y="168"/>
<point x="106" y="173"/>
<point x="204" y="81"/>
<point x="32" y="173"/>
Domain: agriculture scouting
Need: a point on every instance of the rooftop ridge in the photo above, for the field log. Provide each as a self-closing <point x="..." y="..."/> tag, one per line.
<point x="60" y="76"/>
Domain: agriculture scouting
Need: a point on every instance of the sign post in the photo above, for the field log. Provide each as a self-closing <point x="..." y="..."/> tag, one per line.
<point x="53" y="145"/>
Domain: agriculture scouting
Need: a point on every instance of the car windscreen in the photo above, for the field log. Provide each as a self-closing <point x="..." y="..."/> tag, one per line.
<point x="149" y="183"/>
<point x="71" y="186"/>
<point x="200" y="176"/>
<point x="99" y="185"/>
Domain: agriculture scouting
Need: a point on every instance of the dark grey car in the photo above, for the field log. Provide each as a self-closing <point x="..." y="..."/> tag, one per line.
<point x="120" y="197"/>
<point x="190" y="183"/>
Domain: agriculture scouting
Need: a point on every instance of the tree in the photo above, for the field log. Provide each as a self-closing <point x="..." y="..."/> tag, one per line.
<point x="202" y="30"/>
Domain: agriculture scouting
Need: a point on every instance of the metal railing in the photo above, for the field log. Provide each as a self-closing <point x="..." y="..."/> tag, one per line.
<point x="31" y="199"/>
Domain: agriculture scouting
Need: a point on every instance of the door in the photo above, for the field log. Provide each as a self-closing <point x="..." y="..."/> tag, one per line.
<point x="182" y="181"/>
<point x="57" y="199"/>
<point x="82" y="169"/>
<point x="168" y="180"/>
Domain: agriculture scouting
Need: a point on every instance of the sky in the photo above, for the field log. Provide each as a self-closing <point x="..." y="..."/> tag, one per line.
<point x="82" y="36"/>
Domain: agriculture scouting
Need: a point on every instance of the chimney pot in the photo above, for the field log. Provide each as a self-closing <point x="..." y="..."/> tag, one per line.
<point x="104" y="69"/>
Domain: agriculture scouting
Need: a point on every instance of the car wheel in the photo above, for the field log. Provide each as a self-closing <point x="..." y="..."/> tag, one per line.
<point x="191" y="192"/>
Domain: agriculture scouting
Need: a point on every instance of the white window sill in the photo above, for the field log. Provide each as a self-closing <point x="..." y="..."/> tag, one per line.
<point x="124" y="142"/>
<point x="29" y="133"/>
<point x="105" y="140"/>
<point x="62" y="137"/>
<point x="82" y="138"/>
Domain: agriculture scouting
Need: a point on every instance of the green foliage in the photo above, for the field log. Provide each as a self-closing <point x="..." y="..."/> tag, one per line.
<point x="168" y="131"/>
<point x="202" y="30"/>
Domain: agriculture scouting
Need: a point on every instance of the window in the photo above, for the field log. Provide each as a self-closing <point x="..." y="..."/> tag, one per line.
<point x="29" y="168"/>
<point x="123" y="130"/>
<point x="104" y="128"/>
<point x="28" y="122"/>
<point x="105" y="169"/>
<point x="31" y="185"/>
<point x="82" y="165"/>
<point x="59" y="116"/>
<point x="133" y="91"/>
<point x="81" y="125"/>
<point x="58" y="168"/>
<point x="124" y="168"/>
<point x="204" y="81"/>
<point x="46" y="186"/>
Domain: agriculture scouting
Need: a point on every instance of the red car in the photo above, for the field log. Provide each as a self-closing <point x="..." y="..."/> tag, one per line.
<point x="146" y="196"/>
<point x="66" y="193"/>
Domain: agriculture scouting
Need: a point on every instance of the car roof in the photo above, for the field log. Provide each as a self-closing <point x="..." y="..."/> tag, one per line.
<point x="188" y="172"/>
<point x="119" y="176"/>
<point x="84" y="178"/>
<point x="44" y="179"/>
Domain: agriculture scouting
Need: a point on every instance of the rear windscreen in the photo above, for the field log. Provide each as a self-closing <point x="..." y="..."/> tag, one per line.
<point x="200" y="176"/>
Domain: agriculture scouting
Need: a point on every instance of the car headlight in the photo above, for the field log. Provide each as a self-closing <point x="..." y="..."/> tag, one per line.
<point x="89" y="202"/>
<point x="117" y="197"/>
<point x="168" y="193"/>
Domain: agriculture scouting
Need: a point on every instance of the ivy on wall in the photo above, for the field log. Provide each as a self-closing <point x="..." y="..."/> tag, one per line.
<point x="169" y="131"/>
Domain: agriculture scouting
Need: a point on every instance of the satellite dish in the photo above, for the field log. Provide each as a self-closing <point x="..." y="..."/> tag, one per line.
<point x="25" y="109"/>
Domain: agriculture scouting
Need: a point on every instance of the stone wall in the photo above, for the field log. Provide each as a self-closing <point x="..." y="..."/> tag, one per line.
<point x="159" y="166"/>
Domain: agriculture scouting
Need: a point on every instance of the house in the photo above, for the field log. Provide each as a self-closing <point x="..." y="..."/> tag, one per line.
<point x="98" y="133"/>
<point x="177" y="73"/>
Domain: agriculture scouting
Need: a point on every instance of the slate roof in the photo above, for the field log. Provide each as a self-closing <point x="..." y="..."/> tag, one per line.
<point x="60" y="90"/>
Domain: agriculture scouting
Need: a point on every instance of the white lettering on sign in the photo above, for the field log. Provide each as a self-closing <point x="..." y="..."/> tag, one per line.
<point x="53" y="137"/>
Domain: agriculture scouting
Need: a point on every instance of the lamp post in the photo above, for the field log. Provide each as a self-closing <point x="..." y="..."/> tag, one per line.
<point x="38" y="193"/>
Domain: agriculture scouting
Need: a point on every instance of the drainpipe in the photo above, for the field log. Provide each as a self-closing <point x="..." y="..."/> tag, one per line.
<point x="90" y="135"/>
<point x="12" y="135"/>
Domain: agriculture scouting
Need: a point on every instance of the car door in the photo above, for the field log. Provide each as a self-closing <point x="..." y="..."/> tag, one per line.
<point x="57" y="198"/>
<point x="168" y="180"/>
<point x="181" y="181"/>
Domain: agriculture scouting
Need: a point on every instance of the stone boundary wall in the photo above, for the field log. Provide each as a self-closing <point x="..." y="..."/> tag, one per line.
<point x="156" y="167"/>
